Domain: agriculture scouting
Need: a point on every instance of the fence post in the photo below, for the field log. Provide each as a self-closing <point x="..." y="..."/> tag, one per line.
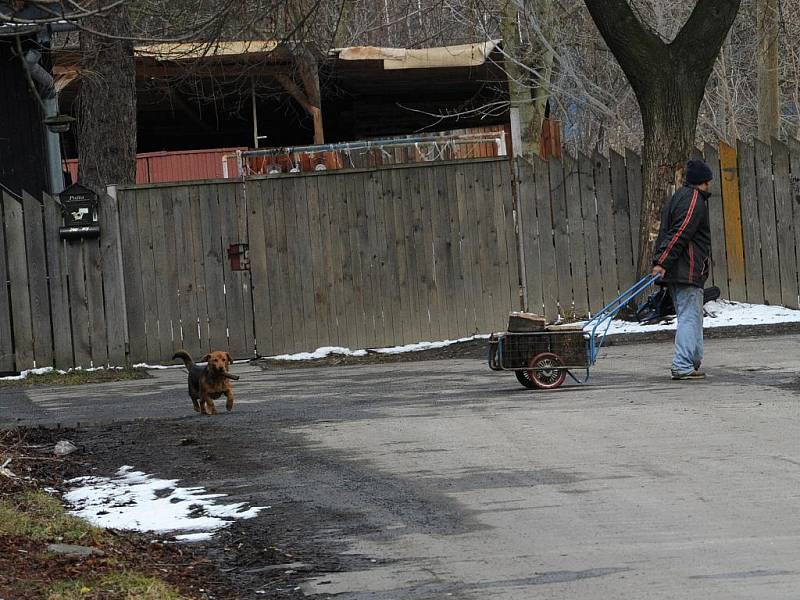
<point x="516" y="149"/>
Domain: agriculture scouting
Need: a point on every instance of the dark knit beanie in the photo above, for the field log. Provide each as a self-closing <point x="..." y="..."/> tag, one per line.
<point x="697" y="171"/>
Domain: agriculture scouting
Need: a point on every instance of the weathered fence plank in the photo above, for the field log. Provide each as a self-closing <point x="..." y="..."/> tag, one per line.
<point x="380" y="247"/>
<point x="508" y="292"/>
<point x="113" y="280"/>
<point x="239" y="342"/>
<point x="577" y="242"/>
<point x="148" y="270"/>
<point x="172" y="283"/>
<point x="407" y="299"/>
<point x="785" y="225"/>
<point x="21" y="317"/>
<point x="529" y="231"/>
<point x="765" y="194"/>
<point x="719" y="262"/>
<point x="468" y="250"/>
<point x="79" y="303"/>
<point x="197" y="212"/>
<point x="257" y="236"/>
<point x="481" y="196"/>
<point x="372" y="302"/>
<point x="561" y="236"/>
<point x="605" y="227"/>
<point x="392" y="305"/>
<point x="276" y="247"/>
<point x="751" y="231"/>
<point x="731" y="206"/>
<point x="185" y="265"/>
<point x="360" y="294"/>
<point x="544" y="211"/>
<point x="459" y="299"/>
<point x="633" y="166"/>
<point x="626" y="264"/>
<point x="37" y="280"/>
<point x="428" y="201"/>
<point x="215" y="281"/>
<point x="7" y="362"/>
<point x="594" y="274"/>
<point x="245" y="278"/>
<point x="132" y="271"/>
<point x="166" y="296"/>
<point x="93" y="269"/>
<point x="59" y="293"/>
<point x="318" y="268"/>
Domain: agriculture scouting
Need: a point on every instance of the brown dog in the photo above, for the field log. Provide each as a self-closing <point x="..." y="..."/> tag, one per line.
<point x="209" y="382"/>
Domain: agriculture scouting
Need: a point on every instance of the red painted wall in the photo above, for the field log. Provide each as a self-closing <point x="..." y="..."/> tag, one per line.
<point x="183" y="165"/>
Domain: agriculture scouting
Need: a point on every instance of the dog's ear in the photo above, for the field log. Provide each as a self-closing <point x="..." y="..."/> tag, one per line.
<point x="228" y="356"/>
<point x="206" y="358"/>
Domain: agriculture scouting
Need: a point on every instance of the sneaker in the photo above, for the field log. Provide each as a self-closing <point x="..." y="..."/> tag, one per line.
<point x="690" y="375"/>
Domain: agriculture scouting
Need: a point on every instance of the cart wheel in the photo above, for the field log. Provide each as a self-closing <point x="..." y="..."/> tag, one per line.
<point x="525" y="379"/>
<point x="544" y="371"/>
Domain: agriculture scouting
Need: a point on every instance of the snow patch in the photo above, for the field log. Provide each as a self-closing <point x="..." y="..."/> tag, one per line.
<point x="43" y="370"/>
<point x="427" y="345"/>
<point x="320" y="353"/>
<point x="133" y="500"/>
<point x="28" y="372"/>
<point x="327" y="350"/>
<point x="721" y="313"/>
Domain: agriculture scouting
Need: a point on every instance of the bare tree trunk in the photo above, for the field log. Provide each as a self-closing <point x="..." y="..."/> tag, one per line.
<point x="519" y="89"/>
<point x="669" y="82"/>
<point x="107" y="102"/>
<point x="527" y="91"/>
<point x="669" y="114"/>
<point x="767" y="69"/>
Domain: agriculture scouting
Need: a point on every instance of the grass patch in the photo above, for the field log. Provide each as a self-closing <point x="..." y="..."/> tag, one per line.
<point x="77" y="377"/>
<point x="41" y="518"/>
<point x="129" y="585"/>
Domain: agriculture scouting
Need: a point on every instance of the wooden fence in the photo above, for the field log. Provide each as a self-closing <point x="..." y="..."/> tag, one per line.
<point x="368" y="258"/>
<point x="363" y="258"/>
<point x="61" y="304"/>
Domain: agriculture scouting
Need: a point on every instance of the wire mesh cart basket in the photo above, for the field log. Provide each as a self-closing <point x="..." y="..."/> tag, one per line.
<point x="544" y="359"/>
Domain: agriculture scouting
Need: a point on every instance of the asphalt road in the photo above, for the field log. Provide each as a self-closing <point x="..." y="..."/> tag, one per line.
<point x="443" y="479"/>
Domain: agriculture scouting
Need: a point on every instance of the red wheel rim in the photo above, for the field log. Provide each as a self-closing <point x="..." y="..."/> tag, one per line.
<point x="546" y="371"/>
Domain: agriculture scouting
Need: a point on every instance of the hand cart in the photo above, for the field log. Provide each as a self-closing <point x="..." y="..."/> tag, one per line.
<point x="544" y="359"/>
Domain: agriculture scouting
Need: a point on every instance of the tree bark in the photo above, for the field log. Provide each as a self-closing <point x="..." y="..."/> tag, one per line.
<point x="767" y="70"/>
<point x="669" y="83"/>
<point x="107" y="101"/>
<point x="519" y="87"/>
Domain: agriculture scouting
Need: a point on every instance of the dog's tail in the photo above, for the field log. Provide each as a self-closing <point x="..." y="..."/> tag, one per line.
<point x="187" y="360"/>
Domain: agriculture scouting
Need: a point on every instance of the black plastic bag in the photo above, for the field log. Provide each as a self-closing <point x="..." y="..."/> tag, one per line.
<point x="659" y="305"/>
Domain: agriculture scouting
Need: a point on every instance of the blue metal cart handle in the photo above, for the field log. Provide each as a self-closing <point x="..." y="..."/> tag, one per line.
<point x="603" y="318"/>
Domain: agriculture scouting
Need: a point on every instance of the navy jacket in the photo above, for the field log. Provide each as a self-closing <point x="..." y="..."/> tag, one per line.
<point x="683" y="246"/>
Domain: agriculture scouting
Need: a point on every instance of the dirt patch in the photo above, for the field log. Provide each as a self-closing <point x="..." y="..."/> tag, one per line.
<point x="476" y="348"/>
<point x="245" y="560"/>
<point x="76" y="377"/>
<point x="29" y="571"/>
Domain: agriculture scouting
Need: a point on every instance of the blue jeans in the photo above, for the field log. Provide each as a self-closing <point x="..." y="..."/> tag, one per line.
<point x="688" y="301"/>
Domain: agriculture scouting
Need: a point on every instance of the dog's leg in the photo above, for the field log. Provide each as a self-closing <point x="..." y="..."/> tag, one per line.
<point x="229" y="401"/>
<point x="196" y="405"/>
<point x="204" y="402"/>
<point x="212" y="410"/>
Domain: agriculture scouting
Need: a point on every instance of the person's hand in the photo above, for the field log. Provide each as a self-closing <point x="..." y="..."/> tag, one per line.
<point x="659" y="271"/>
